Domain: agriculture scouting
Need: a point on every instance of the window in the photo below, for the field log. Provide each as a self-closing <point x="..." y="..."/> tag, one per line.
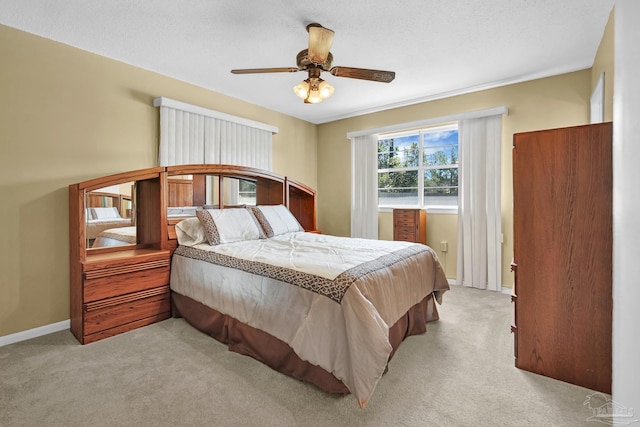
<point x="419" y="168"/>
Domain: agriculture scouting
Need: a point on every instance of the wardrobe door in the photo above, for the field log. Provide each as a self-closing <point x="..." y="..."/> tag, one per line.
<point x="563" y="253"/>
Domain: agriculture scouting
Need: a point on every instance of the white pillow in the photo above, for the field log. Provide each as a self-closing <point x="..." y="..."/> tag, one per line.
<point x="190" y="232"/>
<point x="276" y="220"/>
<point x="229" y="225"/>
<point x="105" y="213"/>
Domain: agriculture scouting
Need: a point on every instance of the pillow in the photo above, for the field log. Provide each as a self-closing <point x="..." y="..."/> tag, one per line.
<point x="105" y="213"/>
<point x="190" y="232"/>
<point x="229" y="225"/>
<point x="276" y="220"/>
<point x="88" y="213"/>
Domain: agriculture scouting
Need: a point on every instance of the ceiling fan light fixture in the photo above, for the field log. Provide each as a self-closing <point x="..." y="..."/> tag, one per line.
<point x="317" y="59"/>
<point x="313" y="90"/>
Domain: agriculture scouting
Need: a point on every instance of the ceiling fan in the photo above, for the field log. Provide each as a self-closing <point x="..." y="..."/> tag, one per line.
<point x="314" y="61"/>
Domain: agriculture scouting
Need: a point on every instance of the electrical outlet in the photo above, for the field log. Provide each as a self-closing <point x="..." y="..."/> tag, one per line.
<point x="444" y="246"/>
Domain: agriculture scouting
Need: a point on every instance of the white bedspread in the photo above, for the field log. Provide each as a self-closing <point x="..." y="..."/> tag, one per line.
<point x="116" y="237"/>
<point x="347" y="333"/>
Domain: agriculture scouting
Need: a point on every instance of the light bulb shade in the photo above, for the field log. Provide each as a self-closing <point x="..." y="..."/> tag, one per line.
<point x="302" y="89"/>
<point x="325" y="89"/>
<point x="314" y="97"/>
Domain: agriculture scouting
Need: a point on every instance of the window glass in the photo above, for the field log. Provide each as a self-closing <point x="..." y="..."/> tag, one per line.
<point x="399" y="152"/>
<point x="404" y="157"/>
<point x="398" y="188"/>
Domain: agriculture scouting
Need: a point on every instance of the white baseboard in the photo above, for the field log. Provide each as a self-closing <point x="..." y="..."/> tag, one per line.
<point x="35" y="332"/>
<point x="503" y="289"/>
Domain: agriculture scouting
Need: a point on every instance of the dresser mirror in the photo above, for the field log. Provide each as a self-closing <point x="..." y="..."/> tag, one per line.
<point x="110" y="216"/>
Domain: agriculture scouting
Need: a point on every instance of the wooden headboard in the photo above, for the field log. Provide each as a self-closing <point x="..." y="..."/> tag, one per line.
<point x="271" y="189"/>
<point x="159" y="188"/>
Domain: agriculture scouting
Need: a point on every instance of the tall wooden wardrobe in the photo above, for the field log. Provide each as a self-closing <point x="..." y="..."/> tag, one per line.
<point x="562" y="182"/>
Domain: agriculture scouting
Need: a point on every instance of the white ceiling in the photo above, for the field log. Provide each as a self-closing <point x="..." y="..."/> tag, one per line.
<point x="437" y="48"/>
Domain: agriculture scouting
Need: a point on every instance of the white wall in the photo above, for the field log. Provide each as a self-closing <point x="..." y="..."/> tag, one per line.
<point x="626" y="206"/>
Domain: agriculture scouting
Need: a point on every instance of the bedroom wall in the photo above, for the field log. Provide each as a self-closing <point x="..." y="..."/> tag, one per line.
<point x="66" y="116"/>
<point x="539" y="104"/>
<point x="603" y="63"/>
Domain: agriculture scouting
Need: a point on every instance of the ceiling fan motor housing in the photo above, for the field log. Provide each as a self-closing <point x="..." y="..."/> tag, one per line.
<point x="304" y="61"/>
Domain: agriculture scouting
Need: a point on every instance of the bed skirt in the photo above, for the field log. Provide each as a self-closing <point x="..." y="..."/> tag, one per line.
<point x="275" y="353"/>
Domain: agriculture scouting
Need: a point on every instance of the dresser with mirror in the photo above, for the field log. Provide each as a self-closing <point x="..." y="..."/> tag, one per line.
<point x="119" y="264"/>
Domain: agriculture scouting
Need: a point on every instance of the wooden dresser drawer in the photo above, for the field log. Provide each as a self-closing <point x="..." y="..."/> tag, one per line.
<point x="406" y="234"/>
<point x="126" y="309"/>
<point x="409" y="225"/>
<point x="404" y="215"/>
<point x="111" y="282"/>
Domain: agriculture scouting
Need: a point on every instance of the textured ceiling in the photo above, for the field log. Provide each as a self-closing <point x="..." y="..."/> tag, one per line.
<point x="437" y="48"/>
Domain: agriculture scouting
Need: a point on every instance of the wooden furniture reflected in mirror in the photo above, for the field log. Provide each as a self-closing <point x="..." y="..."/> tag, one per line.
<point x="180" y="191"/>
<point x="227" y="185"/>
<point x="116" y="288"/>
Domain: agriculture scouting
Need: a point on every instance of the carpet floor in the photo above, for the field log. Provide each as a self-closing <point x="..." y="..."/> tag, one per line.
<point x="460" y="373"/>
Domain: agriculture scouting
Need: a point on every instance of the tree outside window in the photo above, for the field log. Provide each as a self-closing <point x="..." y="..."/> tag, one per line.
<point x="422" y="162"/>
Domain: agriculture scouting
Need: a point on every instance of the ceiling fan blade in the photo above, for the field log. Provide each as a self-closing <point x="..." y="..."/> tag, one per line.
<point x="320" y="40"/>
<point x="265" y="70"/>
<point x="364" y="74"/>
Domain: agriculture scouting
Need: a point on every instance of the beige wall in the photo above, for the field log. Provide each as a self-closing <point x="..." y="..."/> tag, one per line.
<point x="540" y="104"/>
<point x="440" y="227"/>
<point x="603" y="63"/>
<point x="67" y="116"/>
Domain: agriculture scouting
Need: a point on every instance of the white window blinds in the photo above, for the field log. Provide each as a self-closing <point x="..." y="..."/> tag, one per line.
<point x="192" y="135"/>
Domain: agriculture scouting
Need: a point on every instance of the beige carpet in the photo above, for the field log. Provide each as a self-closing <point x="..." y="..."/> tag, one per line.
<point x="460" y="373"/>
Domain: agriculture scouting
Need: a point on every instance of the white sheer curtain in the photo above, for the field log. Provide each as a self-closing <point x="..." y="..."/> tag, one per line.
<point x="479" y="219"/>
<point x="364" y="186"/>
<point x="192" y="135"/>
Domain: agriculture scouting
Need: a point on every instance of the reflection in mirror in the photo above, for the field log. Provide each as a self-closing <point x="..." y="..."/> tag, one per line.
<point x="239" y="192"/>
<point x="110" y="216"/>
<point x="188" y="192"/>
<point x="183" y="191"/>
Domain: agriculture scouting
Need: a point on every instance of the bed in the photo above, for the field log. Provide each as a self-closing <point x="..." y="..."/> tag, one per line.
<point x="100" y="219"/>
<point x="116" y="237"/>
<point x="328" y="310"/>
